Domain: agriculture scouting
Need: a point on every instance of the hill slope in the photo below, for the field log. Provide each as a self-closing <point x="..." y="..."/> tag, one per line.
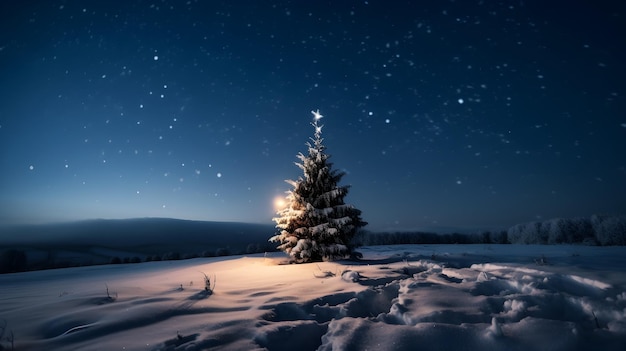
<point x="99" y="241"/>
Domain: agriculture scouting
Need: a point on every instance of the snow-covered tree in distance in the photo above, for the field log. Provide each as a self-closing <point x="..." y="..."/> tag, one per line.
<point x="315" y="224"/>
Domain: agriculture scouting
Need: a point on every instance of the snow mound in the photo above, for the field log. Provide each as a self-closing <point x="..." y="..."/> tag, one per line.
<point x="350" y="276"/>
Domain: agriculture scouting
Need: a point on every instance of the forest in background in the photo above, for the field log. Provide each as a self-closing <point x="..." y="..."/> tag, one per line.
<point x="601" y="230"/>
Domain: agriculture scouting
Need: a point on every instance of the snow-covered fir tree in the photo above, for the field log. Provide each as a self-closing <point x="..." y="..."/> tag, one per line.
<point x="315" y="224"/>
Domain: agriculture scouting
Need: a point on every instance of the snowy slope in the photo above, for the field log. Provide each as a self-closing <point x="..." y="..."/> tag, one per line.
<point x="413" y="297"/>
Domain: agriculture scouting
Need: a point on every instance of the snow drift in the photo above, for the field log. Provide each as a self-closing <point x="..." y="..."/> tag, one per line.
<point x="427" y="297"/>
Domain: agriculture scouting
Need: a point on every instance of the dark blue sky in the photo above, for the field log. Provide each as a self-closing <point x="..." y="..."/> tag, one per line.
<point x="472" y="114"/>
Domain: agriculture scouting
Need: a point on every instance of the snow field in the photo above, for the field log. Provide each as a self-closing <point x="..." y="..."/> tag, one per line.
<point x="427" y="297"/>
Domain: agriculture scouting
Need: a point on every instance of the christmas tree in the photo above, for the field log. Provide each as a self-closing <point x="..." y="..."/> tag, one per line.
<point x="315" y="223"/>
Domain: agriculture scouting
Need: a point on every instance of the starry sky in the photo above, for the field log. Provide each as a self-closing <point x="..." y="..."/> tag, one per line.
<point x="443" y="114"/>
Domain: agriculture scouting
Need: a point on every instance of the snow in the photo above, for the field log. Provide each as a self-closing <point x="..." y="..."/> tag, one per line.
<point x="427" y="297"/>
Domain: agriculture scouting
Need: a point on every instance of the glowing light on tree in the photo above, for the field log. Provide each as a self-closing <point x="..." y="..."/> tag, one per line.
<point x="279" y="203"/>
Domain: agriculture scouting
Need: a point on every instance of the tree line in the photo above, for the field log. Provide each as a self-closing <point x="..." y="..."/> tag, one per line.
<point x="366" y="238"/>
<point x="596" y="230"/>
<point x="16" y="260"/>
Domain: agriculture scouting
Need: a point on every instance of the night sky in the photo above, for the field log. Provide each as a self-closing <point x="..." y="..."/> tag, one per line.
<point x="443" y="114"/>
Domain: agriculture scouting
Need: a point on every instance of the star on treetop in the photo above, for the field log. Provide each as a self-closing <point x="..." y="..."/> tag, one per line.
<point x="317" y="115"/>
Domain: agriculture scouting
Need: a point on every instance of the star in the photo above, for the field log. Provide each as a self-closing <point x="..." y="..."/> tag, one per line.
<point x="317" y="115"/>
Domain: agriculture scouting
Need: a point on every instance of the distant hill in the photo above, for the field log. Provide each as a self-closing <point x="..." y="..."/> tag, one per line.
<point x="137" y="231"/>
<point x="100" y="241"/>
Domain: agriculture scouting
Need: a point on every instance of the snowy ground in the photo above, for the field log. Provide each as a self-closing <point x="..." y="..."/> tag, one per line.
<point x="413" y="297"/>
